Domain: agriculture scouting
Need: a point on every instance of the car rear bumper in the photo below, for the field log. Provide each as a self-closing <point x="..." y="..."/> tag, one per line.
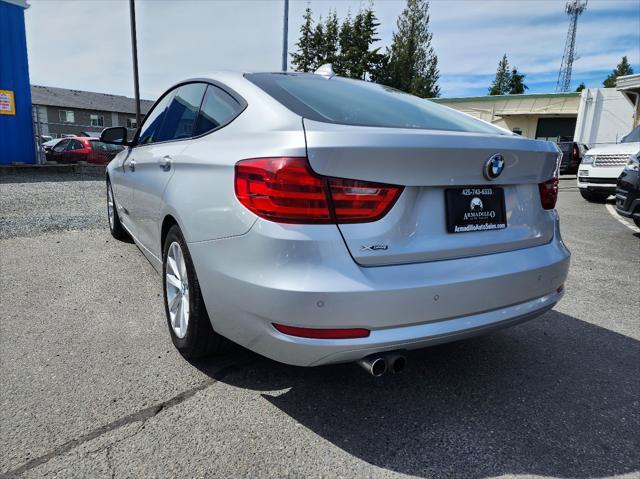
<point x="315" y="352"/>
<point x="305" y="277"/>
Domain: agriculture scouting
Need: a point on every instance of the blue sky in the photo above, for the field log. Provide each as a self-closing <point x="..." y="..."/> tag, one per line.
<point x="185" y="38"/>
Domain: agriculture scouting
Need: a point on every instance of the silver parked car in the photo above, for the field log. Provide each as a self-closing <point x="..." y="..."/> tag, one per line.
<point x="316" y="219"/>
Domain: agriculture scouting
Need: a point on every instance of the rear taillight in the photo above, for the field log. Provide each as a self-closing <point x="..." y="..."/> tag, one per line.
<point x="576" y="153"/>
<point x="286" y="190"/>
<point x="549" y="193"/>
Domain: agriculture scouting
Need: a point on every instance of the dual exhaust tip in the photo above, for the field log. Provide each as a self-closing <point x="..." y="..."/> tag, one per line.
<point x="379" y="364"/>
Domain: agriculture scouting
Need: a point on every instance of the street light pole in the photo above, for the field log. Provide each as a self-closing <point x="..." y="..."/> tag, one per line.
<point x="285" y="36"/>
<point x="134" y="51"/>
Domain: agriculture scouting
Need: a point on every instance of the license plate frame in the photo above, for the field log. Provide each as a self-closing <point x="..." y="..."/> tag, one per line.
<point x="475" y="208"/>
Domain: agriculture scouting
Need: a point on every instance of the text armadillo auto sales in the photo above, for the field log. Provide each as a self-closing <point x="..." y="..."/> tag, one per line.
<point x="482" y="227"/>
<point x="479" y="215"/>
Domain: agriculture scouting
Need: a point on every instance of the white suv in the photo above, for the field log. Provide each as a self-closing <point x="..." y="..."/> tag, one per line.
<point x="601" y="167"/>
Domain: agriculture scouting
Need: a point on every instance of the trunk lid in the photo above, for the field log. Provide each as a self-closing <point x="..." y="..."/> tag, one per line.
<point x="427" y="163"/>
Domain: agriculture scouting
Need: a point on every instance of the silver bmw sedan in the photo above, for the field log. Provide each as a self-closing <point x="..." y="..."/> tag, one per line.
<point x="316" y="219"/>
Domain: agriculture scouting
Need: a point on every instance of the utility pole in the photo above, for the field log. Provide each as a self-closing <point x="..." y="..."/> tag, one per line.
<point x="285" y="36"/>
<point x="574" y="9"/>
<point x="134" y="51"/>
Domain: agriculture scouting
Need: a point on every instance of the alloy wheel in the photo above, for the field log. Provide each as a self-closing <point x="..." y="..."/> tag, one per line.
<point x="110" y="206"/>
<point x="177" y="290"/>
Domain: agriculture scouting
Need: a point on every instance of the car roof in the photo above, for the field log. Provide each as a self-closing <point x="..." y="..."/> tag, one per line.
<point x="232" y="77"/>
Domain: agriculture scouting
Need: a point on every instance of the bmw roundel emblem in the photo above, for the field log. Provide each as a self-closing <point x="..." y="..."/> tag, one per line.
<point x="493" y="167"/>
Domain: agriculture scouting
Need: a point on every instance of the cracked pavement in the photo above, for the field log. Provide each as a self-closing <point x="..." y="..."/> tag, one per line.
<point x="91" y="385"/>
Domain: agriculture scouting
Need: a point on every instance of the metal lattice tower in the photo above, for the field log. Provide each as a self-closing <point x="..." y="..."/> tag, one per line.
<point x="574" y="9"/>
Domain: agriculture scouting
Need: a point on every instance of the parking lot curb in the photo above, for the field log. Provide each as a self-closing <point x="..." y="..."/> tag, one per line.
<point x="78" y="168"/>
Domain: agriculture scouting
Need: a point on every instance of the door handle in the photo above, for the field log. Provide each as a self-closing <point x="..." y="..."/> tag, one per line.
<point x="165" y="163"/>
<point x="132" y="165"/>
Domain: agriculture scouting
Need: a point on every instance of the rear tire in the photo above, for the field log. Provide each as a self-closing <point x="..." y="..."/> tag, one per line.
<point x="637" y="221"/>
<point x="187" y="318"/>
<point x="115" y="226"/>
<point x="593" y="197"/>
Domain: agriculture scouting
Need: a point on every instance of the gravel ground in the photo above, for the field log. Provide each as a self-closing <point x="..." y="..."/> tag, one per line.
<point x="31" y="205"/>
<point x="92" y="386"/>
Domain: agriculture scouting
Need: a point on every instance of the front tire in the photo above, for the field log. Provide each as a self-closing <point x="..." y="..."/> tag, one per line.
<point x="187" y="317"/>
<point x="593" y="197"/>
<point x="115" y="226"/>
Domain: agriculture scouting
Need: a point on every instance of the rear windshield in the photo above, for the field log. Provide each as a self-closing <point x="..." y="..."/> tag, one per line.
<point x="355" y="102"/>
<point x="632" y="137"/>
<point x="565" y="146"/>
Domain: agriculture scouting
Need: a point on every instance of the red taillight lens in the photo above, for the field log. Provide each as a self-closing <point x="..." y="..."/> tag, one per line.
<point x="360" y="201"/>
<point x="549" y="193"/>
<point x="286" y="190"/>
<point x="283" y="190"/>
<point x="576" y="153"/>
<point x="317" y="333"/>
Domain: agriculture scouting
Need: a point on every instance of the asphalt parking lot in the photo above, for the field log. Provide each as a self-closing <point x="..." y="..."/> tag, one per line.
<point x="91" y="385"/>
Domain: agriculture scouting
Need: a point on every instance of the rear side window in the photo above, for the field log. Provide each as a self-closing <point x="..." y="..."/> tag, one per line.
<point x="182" y="113"/>
<point x="61" y="146"/>
<point x="361" y="103"/>
<point x="74" y="145"/>
<point x="152" y="122"/>
<point x="99" y="146"/>
<point x="218" y="108"/>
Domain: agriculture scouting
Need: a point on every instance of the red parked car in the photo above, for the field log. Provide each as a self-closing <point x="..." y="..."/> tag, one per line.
<point x="81" y="148"/>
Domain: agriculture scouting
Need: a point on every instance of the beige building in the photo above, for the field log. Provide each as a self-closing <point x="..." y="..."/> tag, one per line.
<point x="544" y="115"/>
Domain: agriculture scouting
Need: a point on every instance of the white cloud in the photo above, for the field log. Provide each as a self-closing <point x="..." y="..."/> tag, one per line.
<point x="86" y="44"/>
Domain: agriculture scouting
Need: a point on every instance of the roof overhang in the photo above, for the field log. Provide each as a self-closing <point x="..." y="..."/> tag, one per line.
<point x="17" y="3"/>
<point x="536" y="113"/>
<point x="628" y="81"/>
<point x="629" y="86"/>
<point x="518" y="97"/>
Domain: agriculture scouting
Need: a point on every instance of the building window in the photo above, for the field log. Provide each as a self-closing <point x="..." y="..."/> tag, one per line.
<point x="131" y="123"/>
<point x="97" y="120"/>
<point x="67" y="116"/>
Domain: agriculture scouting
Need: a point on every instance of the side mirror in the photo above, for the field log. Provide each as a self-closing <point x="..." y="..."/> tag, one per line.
<point x="116" y="135"/>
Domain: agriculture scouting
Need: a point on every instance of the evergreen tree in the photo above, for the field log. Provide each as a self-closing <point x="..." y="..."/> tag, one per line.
<point x="370" y="59"/>
<point x="516" y="82"/>
<point x="341" y="66"/>
<point x="303" y="59"/>
<point x="581" y="87"/>
<point x="357" y="36"/>
<point x="330" y="42"/>
<point x="411" y="64"/>
<point x="346" y="46"/>
<point x="317" y="46"/>
<point x="622" y="69"/>
<point x="502" y="82"/>
<point x="350" y="45"/>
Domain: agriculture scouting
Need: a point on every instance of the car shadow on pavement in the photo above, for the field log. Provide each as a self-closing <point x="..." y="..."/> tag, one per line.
<point x="554" y="397"/>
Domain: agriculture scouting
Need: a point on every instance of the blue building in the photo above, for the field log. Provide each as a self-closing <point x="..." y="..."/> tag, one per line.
<point x="17" y="142"/>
